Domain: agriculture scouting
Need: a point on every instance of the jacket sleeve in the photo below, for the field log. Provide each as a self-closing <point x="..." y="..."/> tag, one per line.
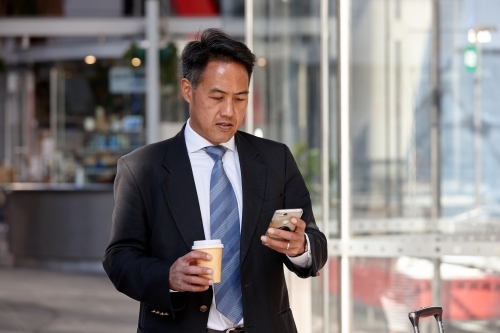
<point x="126" y="260"/>
<point x="297" y="195"/>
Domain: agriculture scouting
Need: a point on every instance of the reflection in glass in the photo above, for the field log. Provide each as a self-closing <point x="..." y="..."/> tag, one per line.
<point x="286" y="82"/>
<point x="390" y="122"/>
<point x="287" y="99"/>
<point x="386" y="289"/>
<point x="471" y="160"/>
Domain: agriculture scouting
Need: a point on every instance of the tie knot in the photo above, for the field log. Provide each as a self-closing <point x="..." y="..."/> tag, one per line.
<point x="215" y="152"/>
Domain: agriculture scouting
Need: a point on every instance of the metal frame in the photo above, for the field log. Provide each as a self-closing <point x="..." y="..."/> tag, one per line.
<point x="435" y="115"/>
<point x="325" y="154"/>
<point x="344" y="35"/>
<point x="64" y="27"/>
<point x="176" y="26"/>
<point x="249" y="31"/>
<point x="152" y="72"/>
<point x="435" y="145"/>
<point x="430" y="246"/>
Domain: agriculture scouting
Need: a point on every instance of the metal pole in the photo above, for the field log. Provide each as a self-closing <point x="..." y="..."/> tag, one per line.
<point x="9" y="106"/>
<point x="325" y="154"/>
<point x="398" y="78"/>
<point x="477" y="127"/>
<point x="435" y="119"/>
<point x="435" y="145"/>
<point x="152" y="73"/>
<point x="344" y="31"/>
<point x="249" y="41"/>
<point x="387" y="109"/>
<point x="53" y="104"/>
<point x="61" y="112"/>
<point x="288" y="130"/>
<point x="53" y="123"/>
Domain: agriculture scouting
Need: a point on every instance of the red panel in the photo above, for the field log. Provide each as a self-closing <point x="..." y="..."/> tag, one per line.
<point x="196" y="7"/>
<point x="463" y="299"/>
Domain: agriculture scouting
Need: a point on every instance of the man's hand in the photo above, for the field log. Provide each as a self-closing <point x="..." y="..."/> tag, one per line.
<point x="183" y="275"/>
<point x="292" y="244"/>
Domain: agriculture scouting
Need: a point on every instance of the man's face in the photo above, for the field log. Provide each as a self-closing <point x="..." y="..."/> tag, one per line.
<point x="218" y="104"/>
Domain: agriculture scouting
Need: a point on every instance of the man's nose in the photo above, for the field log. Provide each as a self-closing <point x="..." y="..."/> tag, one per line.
<point x="228" y="108"/>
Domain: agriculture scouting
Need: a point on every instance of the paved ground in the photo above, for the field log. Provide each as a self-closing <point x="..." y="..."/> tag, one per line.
<point x="45" y="301"/>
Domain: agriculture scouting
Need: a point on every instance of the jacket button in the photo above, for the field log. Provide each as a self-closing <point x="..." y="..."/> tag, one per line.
<point x="203" y="308"/>
<point x="318" y="273"/>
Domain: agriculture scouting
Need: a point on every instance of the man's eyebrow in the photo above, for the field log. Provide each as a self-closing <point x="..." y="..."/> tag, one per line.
<point x="217" y="90"/>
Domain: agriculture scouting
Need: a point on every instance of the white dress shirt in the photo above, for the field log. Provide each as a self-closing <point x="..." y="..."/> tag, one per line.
<point x="202" y="164"/>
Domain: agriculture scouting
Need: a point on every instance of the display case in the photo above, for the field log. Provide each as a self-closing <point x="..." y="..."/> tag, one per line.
<point x="105" y="141"/>
<point x="102" y="151"/>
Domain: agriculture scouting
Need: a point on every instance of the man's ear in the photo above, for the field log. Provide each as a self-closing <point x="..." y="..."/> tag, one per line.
<point x="186" y="89"/>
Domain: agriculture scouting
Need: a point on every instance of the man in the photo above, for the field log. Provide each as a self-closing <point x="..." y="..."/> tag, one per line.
<point x="211" y="181"/>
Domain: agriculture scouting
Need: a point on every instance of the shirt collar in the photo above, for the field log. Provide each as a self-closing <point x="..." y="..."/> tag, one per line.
<point x="195" y="142"/>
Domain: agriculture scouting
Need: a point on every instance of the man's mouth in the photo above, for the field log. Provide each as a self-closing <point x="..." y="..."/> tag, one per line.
<point x="224" y="126"/>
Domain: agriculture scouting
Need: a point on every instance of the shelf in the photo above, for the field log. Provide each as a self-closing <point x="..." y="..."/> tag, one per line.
<point x="119" y="151"/>
<point x="109" y="132"/>
<point x="100" y="170"/>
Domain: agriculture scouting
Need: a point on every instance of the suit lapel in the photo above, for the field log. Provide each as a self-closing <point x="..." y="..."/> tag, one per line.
<point x="180" y="191"/>
<point x="253" y="181"/>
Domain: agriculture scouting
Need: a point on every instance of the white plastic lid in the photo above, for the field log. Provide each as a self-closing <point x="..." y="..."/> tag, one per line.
<point x="204" y="244"/>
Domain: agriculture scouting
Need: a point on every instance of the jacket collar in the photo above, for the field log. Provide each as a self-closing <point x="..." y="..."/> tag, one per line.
<point x="180" y="191"/>
<point x="253" y="179"/>
<point x="182" y="199"/>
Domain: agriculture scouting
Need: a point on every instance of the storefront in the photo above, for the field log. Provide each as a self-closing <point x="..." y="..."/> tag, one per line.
<point x="78" y="90"/>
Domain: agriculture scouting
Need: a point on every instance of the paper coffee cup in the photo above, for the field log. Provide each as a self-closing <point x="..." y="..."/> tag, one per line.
<point x="213" y="247"/>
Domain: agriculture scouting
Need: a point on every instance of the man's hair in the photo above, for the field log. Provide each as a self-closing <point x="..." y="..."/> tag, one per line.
<point x="213" y="44"/>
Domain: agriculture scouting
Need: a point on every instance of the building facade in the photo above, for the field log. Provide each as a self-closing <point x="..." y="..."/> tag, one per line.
<point x="388" y="106"/>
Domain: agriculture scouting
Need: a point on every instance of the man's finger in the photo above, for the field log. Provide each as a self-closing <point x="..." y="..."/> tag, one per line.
<point x="196" y="270"/>
<point x="198" y="280"/>
<point x="193" y="255"/>
<point x="185" y="275"/>
<point x="300" y="225"/>
<point x="297" y="234"/>
<point x="283" y="234"/>
<point x="292" y="247"/>
<point x="275" y="243"/>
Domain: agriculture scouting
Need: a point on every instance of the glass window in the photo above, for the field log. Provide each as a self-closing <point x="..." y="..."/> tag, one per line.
<point x="76" y="105"/>
<point x="384" y="290"/>
<point x="287" y="108"/>
<point x="390" y="115"/>
<point x="286" y="82"/>
<point x="470" y="64"/>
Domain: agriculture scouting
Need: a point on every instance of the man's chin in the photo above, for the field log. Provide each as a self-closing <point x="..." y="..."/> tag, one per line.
<point x="222" y="138"/>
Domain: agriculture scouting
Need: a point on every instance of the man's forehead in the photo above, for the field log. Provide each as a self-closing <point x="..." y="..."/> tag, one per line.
<point x="222" y="91"/>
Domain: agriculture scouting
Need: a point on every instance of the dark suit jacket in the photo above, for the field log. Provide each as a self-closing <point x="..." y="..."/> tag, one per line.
<point x="157" y="217"/>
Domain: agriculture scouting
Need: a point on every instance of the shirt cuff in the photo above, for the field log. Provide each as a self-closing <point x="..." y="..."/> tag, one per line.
<point x="305" y="259"/>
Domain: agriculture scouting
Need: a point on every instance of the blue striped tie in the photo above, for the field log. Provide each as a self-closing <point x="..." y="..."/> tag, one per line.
<point x="225" y="225"/>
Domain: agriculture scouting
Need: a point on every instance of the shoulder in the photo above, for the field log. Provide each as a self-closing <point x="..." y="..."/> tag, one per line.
<point x="148" y="153"/>
<point x="260" y="144"/>
<point x="148" y="161"/>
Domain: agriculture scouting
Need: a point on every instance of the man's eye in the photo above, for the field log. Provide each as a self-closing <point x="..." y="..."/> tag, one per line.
<point x="217" y="98"/>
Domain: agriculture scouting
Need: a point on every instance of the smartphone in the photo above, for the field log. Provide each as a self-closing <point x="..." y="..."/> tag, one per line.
<point x="281" y="220"/>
